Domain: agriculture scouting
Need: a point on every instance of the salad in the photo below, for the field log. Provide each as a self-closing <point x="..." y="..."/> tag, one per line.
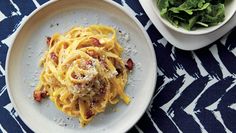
<point x="192" y="14"/>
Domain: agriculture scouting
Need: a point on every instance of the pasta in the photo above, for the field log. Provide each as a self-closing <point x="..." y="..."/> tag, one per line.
<point x="83" y="72"/>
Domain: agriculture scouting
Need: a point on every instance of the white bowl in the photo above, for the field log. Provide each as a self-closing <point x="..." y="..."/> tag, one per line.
<point x="230" y="8"/>
<point x="22" y="70"/>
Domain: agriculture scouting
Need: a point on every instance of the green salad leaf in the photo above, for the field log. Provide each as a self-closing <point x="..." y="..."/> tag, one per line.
<point x="192" y="14"/>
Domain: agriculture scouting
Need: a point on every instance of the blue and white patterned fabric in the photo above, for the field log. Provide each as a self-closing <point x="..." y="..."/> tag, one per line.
<point x="195" y="91"/>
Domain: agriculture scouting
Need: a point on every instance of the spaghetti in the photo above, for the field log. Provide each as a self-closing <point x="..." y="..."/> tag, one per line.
<point x="83" y="72"/>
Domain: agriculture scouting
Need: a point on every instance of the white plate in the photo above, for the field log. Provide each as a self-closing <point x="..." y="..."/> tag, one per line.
<point x="22" y="69"/>
<point x="183" y="41"/>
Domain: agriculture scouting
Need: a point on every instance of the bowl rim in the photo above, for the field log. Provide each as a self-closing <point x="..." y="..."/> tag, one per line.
<point x="111" y="3"/>
<point x="194" y="32"/>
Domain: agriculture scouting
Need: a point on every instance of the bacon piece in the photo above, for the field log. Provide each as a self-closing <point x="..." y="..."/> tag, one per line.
<point x="48" y="40"/>
<point x="103" y="62"/>
<point x="78" y="85"/>
<point x="73" y="75"/>
<point x="54" y="57"/>
<point x="44" y="93"/>
<point x="95" y="41"/>
<point x="65" y="46"/>
<point x="129" y="64"/>
<point x="89" y="114"/>
<point x="102" y="90"/>
<point x="39" y="95"/>
<point x="92" y="53"/>
<point x="89" y="62"/>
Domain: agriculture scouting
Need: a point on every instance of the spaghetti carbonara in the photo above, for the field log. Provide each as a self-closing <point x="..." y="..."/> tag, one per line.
<point x="83" y="72"/>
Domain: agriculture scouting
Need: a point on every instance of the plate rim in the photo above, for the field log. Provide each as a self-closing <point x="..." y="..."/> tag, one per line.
<point x="111" y="3"/>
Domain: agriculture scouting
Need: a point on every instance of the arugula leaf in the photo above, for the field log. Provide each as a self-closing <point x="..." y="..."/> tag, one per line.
<point x="163" y="5"/>
<point x="203" y="7"/>
<point x="214" y="14"/>
<point x="189" y="6"/>
<point x="192" y="22"/>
